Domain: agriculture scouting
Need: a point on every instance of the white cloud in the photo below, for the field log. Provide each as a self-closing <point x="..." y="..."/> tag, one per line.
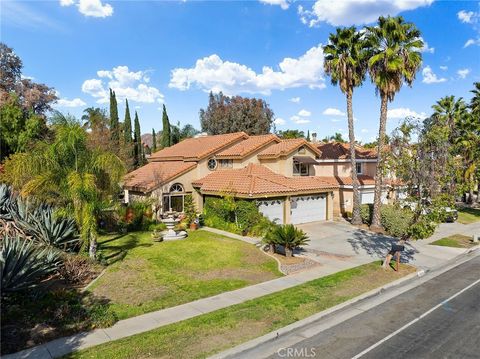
<point x="66" y="2"/>
<point x="93" y="8"/>
<point x="304" y="113"/>
<point x="466" y="16"/>
<point x="76" y="102"/>
<point x="364" y="130"/>
<point x="298" y="120"/>
<point x="355" y="12"/>
<point x="444" y="68"/>
<point x="471" y="42"/>
<point x="463" y="73"/>
<point x="284" y="4"/>
<point x="427" y="48"/>
<point x="335" y="120"/>
<point x="333" y="112"/>
<point x="403" y="112"/>
<point x="125" y="83"/>
<point x="213" y="74"/>
<point x="279" y="121"/>
<point x="429" y="77"/>
<point x="295" y="99"/>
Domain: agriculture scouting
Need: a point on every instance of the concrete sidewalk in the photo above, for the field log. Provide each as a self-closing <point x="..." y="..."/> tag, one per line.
<point x="331" y="258"/>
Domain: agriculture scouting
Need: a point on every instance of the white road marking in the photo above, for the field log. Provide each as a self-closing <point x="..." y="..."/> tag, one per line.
<point x="359" y="355"/>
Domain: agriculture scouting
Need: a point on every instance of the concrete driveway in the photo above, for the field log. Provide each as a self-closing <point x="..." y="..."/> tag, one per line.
<point x="338" y="243"/>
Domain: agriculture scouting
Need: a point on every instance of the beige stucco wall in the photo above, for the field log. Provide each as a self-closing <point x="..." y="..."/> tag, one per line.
<point x="343" y="169"/>
<point x="284" y="165"/>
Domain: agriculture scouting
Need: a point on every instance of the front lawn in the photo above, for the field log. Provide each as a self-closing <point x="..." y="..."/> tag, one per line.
<point x="456" y="241"/>
<point x="468" y="215"/>
<point x="147" y="276"/>
<point x="207" y="334"/>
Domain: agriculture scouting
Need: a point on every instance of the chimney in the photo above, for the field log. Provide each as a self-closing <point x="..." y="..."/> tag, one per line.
<point x="314" y="137"/>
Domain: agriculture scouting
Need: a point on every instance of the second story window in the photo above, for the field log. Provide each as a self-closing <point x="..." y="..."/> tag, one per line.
<point x="212" y="164"/>
<point x="226" y="163"/>
<point x="300" y="169"/>
<point x="359" y="168"/>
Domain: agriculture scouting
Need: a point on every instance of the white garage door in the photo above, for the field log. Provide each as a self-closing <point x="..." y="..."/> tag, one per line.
<point x="366" y="197"/>
<point x="272" y="209"/>
<point x="306" y="209"/>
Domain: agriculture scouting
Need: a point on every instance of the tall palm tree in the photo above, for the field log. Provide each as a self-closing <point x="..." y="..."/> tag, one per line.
<point x="475" y="117"/>
<point x="394" y="50"/>
<point x="449" y="111"/>
<point x="345" y="63"/>
<point x="70" y="174"/>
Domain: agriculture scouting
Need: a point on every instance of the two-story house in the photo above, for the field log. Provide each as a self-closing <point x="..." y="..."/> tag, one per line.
<point x="280" y="175"/>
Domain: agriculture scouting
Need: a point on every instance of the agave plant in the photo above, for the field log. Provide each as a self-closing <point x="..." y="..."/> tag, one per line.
<point x="23" y="264"/>
<point x="290" y="237"/>
<point x="7" y="202"/>
<point x="41" y="223"/>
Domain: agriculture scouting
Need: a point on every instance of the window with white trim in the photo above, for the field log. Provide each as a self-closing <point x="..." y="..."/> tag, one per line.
<point x="174" y="200"/>
<point x="226" y="163"/>
<point x="359" y="168"/>
<point x="300" y="169"/>
<point x="212" y="164"/>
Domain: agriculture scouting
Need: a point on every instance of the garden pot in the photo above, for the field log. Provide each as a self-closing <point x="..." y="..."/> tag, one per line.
<point x="193" y="226"/>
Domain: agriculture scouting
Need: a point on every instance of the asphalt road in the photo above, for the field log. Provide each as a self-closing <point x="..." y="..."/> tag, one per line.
<point x="438" y="319"/>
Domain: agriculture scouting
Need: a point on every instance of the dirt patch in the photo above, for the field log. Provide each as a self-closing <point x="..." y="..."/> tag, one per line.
<point x="289" y="260"/>
<point x="249" y="275"/>
<point x="133" y="284"/>
<point x="253" y="257"/>
<point x="225" y="339"/>
<point x="378" y="277"/>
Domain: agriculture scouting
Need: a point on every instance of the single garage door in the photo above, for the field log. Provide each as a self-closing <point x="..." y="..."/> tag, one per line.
<point x="272" y="209"/>
<point x="366" y="197"/>
<point x="306" y="209"/>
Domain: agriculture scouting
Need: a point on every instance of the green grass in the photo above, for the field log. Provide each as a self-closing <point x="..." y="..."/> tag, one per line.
<point x="468" y="215"/>
<point x="147" y="276"/>
<point x="456" y="241"/>
<point x="210" y="333"/>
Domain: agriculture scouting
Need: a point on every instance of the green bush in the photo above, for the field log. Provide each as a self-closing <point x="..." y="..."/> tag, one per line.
<point x="288" y="236"/>
<point x="190" y="210"/>
<point x="395" y="220"/>
<point x="137" y="216"/>
<point x="234" y="215"/>
<point x="423" y="228"/>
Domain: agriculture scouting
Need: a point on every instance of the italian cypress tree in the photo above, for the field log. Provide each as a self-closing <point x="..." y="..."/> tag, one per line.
<point x="114" y="125"/>
<point x="127" y="125"/>
<point x="154" y="141"/>
<point x="308" y="135"/>
<point x="166" y="136"/>
<point x="137" y="138"/>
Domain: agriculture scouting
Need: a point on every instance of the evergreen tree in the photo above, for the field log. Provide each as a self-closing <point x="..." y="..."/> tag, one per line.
<point x="114" y="125"/>
<point x="127" y="125"/>
<point x="166" y="136"/>
<point x="308" y="135"/>
<point x="154" y="141"/>
<point x="137" y="139"/>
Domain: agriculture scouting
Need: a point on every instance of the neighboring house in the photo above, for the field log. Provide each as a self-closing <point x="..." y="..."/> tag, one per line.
<point x="280" y="175"/>
<point x="334" y="165"/>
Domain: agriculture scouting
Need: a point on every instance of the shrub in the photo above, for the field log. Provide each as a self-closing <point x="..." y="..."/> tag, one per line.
<point x="190" y="210"/>
<point x="395" y="220"/>
<point x="233" y="215"/>
<point x="23" y="264"/>
<point x="423" y="228"/>
<point x="77" y="269"/>
<point x="290" y="237"/>
<point x="366" y="212"/>
<point x="136" y="216"/>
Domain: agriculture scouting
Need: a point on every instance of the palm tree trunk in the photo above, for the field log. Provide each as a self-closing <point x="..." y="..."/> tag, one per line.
<point x="356" y="218"/>
<point x="92" y="251"/>
<point x="478" y="191"/>
<point x="288" y="252"/>
<point x="377" y="202"/>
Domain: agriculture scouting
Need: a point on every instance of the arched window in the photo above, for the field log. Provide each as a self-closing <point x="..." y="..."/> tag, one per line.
<point x="177" y="187"/>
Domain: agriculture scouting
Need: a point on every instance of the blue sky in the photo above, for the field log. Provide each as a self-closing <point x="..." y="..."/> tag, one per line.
<point x="171" y="52"/>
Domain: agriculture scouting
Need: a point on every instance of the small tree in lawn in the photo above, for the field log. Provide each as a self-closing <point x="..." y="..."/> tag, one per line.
<point x="190" y="210"/>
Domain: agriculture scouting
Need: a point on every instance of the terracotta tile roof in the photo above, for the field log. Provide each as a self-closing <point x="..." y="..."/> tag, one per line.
<point x="194" y="149"/>
<point x="248" y="146"/>
<point x="347" y="181"/>
<point x="337" y="151"/>
<point x="154" y="174"/>
<point x="259" y="181"/>
<point x="285" y="147"/>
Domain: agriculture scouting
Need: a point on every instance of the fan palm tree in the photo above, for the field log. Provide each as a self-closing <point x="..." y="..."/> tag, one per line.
<point x="394" y="58"/>
<point x="69" y="174"/>
<point x="345" y="63"/>
<point x="475" y="117"/>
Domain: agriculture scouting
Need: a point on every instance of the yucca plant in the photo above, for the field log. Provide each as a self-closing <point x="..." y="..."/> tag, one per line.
<point x="7" y="202"/>
<point x="23" y="264"/>
<point x="290" y="237"/>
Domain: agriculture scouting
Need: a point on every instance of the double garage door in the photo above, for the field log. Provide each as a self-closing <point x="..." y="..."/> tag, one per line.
<point x="303" y="209"/>
<point x="369" y="196"/>
<point x="308" y="208"/>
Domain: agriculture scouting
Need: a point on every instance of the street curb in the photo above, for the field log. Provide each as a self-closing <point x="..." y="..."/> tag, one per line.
<point x="432" y="273"/>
